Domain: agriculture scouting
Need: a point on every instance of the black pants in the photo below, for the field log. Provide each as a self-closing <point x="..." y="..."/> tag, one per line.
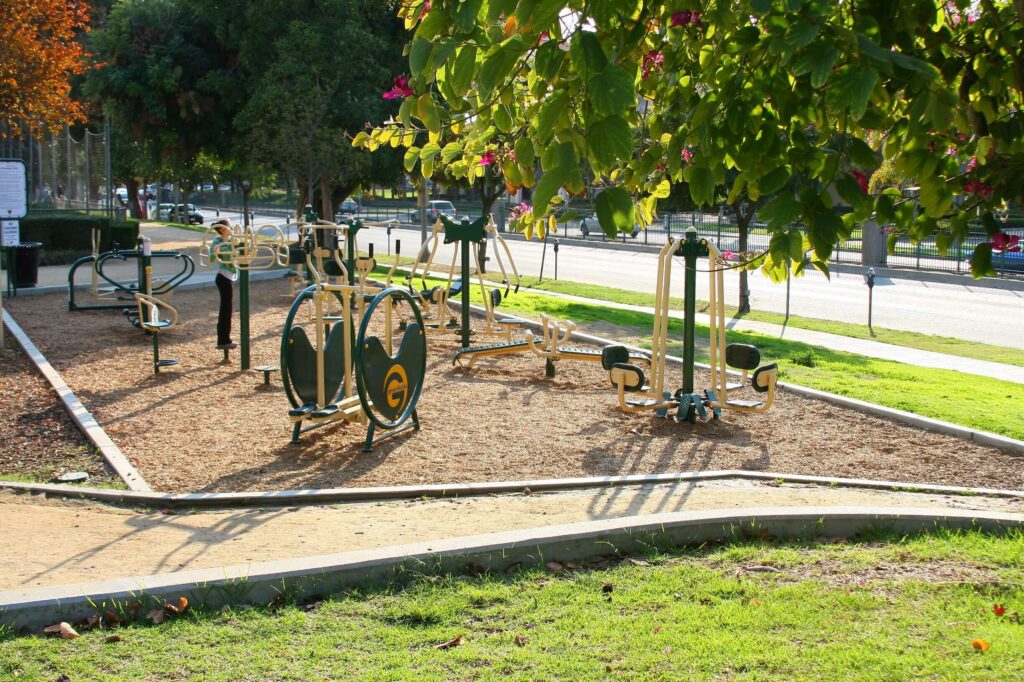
<point x="225" y="287"/>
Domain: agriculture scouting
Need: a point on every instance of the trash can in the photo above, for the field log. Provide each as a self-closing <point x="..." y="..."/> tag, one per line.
<point x="26" y="264"/>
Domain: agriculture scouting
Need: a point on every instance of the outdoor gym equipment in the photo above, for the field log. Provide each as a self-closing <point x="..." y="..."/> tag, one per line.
<point x="247" y="249"/>
<point x="344" y="375"/>
<point x="149" y="320"/>
<point x="550" y="345"/>
<point x="466" y="236"/>
<point x="648" y="393"/>
<point x="123" y="292"/>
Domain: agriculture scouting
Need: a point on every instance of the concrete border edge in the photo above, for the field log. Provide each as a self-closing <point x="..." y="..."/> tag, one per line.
<point x="86" y="423"/>
<point x="263" y="583"/>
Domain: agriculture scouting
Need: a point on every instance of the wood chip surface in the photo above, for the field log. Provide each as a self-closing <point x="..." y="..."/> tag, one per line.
<point x="205" y="426"/>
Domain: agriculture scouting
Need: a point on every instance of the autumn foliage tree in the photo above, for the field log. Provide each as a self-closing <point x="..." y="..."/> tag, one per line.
<point x="39" y="54"/>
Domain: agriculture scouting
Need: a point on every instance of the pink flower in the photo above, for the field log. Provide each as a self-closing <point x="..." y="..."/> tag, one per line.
<point x="489" y="158"/>
<point x="861" y="178"/>
<point x="686" y="154"/>
<point x="972" y="164"/>
<point x="652" y="60"/>
<point x="1005" y="243"/>
<point x="545" y="37"/>
<point x="426" y="8"/>
<point x="684" y="18"/>
<point x="516" y="212"/>
<point x="728" y="255"/>
<point x="979" y="188"/>
<point x="401" y="89"/>
<point x="951" y="150"/>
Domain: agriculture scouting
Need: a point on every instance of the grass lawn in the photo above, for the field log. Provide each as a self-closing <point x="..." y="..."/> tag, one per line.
<point x="937" y="393"/>
<point x="902" y="609"/>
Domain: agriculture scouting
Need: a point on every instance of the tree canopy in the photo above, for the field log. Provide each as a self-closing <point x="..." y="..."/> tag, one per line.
<point x="39" y="54"/>
<point x="801" y="99"/>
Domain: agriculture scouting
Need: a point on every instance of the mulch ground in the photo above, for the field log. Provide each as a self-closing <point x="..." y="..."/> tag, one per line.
<point x="204" y="426"/>
<point x="38" y="439"/>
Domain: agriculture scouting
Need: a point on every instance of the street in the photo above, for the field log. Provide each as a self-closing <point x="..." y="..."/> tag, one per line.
<point x="963" y="310"/>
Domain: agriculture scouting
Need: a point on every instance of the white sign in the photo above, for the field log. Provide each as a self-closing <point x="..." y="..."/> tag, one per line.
<point x="10" y="234"/>
<point x="13" y="189"/>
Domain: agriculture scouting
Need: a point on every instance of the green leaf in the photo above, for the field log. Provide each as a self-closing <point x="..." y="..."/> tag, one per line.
<point x="943" y="240"/>
<point x="663" y="189"/>
<point x="419" y="55"/>
<point x="406" y="111"/>
<point x="464" y="13"/>
<point x="614" y="209"/>
<point x="796" y="245"/>
<point x="851" y="88"/>
<point x="360" y="139"/>
<point x="412" y="155"/>
<point x="538" y="14"/>
<point x="546" y="188"/>
<point x="503" y="118"/>
<point x="774" y="180"/>
<point x="548" y="60"/>
<point x="861" y="154"/>
<point x="428" y="113"/>
<point x="548" y="113"/>
<point x="525" y="153"/>
<point x="816" y="60"/>
<point x="461" y="72"/>
<point x="450" y="152"/>
<point x="499" y="65"/>
<point x="610" y="140"/>
<point x="702" y="183"/>
<point x="433" y="25"/>
<point x="780" y="212"/>
<point x="587" y="54"/>
<point x="611" y="91"/>
<point x="884" y="212"/>
<point x="935" y="197"/>
<point x="981" y="261"/>
<point x="799" y="34"/>
<point x="760" y="6"/>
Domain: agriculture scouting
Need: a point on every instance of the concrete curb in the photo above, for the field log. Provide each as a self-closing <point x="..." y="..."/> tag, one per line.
<point x="262" y="583"/>
<point x="82" y="417"/>
<point x="443" y="490"/>
<point x="926" y="423"/>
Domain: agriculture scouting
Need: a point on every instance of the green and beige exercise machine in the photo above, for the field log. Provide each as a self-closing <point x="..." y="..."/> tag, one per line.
<point x="639" y="393"/>
<point x="248" y="249"/>
<point x="110" y="293"/>
<point x="467" y="237"/>
<point x="552" y="344"/>
<point x="340" y="372"/>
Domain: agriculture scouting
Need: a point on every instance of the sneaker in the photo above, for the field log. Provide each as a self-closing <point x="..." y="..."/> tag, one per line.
<point x="231" y="345"/>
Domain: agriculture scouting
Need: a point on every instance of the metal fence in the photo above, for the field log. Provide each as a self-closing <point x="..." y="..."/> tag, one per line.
<point x="65" y="170"/>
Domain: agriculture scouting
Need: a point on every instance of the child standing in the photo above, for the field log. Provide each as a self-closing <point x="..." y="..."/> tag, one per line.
<point x="227" y="273"/>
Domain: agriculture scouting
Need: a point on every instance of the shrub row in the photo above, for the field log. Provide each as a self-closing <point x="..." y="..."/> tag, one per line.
<point x="73" y="232"/>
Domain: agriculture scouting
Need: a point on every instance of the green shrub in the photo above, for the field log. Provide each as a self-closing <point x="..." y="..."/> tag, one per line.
<point x="67" y="236"/>
<point x="805" y="358"/>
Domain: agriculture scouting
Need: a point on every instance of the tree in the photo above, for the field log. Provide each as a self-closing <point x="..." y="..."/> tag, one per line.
<point x="786" y="93"/>
<point x="156" y="84"/>
<point x="39" y="54"/>
<point x="310" y="75"/>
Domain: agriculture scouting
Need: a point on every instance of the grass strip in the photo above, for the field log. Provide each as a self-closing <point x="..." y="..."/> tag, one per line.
<point x="905" y="608"/>
<point x="936" y="393"/>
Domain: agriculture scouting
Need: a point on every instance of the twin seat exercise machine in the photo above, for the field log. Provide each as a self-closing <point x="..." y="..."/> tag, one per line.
<point x="638" y="393"/>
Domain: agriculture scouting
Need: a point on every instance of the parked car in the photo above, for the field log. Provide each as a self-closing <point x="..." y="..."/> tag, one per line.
<point x="434" y="209"/>
<point x="177" y="213"/>
<point x="163" y="211"/>
<point x="350" y="205"/>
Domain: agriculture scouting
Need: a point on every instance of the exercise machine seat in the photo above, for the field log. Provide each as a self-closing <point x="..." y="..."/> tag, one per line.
<point x="742" y="356"/>
<point x="630" y="376"/>
<point x="614" y="355"/>
<point x="764" y="377"/>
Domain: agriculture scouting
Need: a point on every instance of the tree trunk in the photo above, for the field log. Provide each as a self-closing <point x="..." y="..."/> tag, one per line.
<point x="743" y="226"/>
<point x="325" y="199"/>
<point x="185" y="187"/>
<point x="488" y="195"/>
<point x="133" y="197"/>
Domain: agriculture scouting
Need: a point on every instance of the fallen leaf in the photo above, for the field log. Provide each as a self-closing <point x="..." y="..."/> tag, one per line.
<point x="755" y="602"/>
<point x="638" y="562"/>
<point x="572" y="566"/>
<point x="449" y="644"/>
<point x="657" y="629"/>
<point x="555" y="567"/>
<point x="607" y="668"/>
<point x="521" y="640"/>
<point x="113" y="638"/>
<point x="63" y="678"/>
<point x="607" y="587"/>
<point x="980" y="644"/>
<point x="112" y="618"/>
<point x="157" y="616"/>
<point x="68" y="632"/>
<point x="182" y="603"/>
<point x="167" y="511"/>
<point x="677" y="596"/>
<point x="91" y="622"/>
<point x="667" y="650"/>
<point x="998" y="609"/>
<point x="514" y="568"/>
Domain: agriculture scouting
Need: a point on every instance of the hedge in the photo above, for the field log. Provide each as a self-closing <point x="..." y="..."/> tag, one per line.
<point x="74" y="232"/>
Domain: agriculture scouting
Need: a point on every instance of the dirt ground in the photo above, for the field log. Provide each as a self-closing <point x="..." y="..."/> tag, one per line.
<point x="204" y="426"/>
<point x="38" y="439"/>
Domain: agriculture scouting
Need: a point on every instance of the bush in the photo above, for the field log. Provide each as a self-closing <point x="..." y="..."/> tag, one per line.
<point x="67" y="236"/>
<point x="805" y="358"/>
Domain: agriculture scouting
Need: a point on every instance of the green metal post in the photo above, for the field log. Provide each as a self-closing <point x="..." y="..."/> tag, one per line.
<point x="691" y="250"/>
<point x="243" y="314"/>
<point x="465" y="246"/>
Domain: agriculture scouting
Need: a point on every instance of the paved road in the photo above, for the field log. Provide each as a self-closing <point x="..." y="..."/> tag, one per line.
<point x="962" y="310"/>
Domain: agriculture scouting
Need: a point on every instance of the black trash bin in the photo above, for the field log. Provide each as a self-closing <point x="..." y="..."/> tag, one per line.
<point x="26" y="264"/>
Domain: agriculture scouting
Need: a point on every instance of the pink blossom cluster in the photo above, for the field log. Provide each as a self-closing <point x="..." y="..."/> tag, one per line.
<point x="426" y="8"/>
<point x="685" y="18"/>
<point x="652" y="60"/>
<point x="489" y="158"/>
<point x="686" y="154"/>
<point x="517" y="212"/>
<point x="981" y="189"/>
<point x="861" y="178"/>
<point x="401" y="89"/>
<point x="1005" y="243"/>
